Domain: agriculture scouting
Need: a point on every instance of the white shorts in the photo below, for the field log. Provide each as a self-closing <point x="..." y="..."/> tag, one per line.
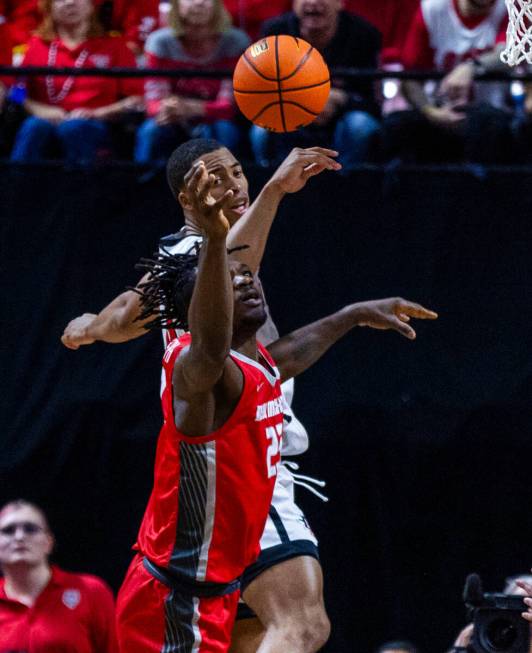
<point x="287" y="533"/>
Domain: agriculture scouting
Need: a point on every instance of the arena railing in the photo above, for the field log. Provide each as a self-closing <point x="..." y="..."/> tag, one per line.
<point x="348" y="73"/>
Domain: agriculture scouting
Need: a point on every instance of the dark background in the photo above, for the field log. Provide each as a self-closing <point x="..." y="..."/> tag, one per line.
<point x="425" y="446"/>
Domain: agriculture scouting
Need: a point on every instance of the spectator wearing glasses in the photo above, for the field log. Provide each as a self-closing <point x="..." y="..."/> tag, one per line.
<point x="200" y="37"/>
<point x="74" y="114"/>
<point x="42" y="607"/>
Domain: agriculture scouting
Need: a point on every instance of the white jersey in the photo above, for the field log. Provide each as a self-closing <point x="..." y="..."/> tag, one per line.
<point x="295" y="437"/>
<point x="453" y="42"/>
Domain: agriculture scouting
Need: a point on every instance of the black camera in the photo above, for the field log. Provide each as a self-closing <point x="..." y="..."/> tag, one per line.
<point x="498" y="624"/>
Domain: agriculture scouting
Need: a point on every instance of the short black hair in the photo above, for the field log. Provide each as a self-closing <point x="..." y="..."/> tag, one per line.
<point x="401" y="645"/>
<point x="183" y="157"/>
<point x="167" y="292"/>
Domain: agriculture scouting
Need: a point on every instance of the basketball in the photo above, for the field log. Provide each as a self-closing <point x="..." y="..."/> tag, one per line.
<point x="281" y="83"/>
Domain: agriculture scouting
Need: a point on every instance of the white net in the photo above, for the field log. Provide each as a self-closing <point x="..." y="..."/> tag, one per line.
<point x="519" y="34"/>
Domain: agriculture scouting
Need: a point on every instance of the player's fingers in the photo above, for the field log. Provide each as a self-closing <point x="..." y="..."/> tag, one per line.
<point x="193" y="176"/>
<point x="416" y="310"/>
<point x="325" y="161"/>
<point x="404" y="329"/>
<point x="205" y="183"/>
<point x="225" y="199"/>
<point x="68" y="343"/>
<point x="403" y="317"/>
<point x="313" y="169"/>
<point x="322" y="150"/>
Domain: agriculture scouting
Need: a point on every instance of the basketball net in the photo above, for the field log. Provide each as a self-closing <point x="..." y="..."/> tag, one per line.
<point x="519" y="33"/>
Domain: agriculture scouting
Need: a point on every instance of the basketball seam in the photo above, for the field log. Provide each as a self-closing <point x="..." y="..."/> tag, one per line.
<point x="301" y="63"/>
<point x="286" y="90"/>
<point x="255" y="69"/>
<point x="295" y="104"/>
<point x="278" y="67"/>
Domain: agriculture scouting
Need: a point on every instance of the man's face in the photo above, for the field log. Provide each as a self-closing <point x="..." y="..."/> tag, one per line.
<point x="249" y="311"/>
<point x="316" y="15"/>
<point x="24" y="537"/>
<point x="228" y="175"/>
<point x="71" y="12"/>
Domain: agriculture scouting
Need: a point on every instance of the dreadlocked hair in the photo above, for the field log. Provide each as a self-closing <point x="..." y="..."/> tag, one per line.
<point x="167" y="292"/>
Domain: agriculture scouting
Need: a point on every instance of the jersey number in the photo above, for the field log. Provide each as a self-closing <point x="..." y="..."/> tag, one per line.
<point x="273" y="433"/>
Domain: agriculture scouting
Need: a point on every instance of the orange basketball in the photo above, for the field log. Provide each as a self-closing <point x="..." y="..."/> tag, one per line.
<point x="281" y="83"/>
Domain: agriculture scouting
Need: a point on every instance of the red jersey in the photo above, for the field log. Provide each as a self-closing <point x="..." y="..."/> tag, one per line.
<point x="73" y="614"/>
<point x="212" y="494"/>
<point x="134" y="19"/>
<point x="81" y="92"/>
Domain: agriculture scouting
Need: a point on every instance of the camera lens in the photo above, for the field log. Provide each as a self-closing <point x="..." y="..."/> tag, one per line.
<point x="500" y="635"/>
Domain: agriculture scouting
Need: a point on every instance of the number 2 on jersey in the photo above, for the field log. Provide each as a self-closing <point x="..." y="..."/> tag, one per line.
<point x="274" y="434"/>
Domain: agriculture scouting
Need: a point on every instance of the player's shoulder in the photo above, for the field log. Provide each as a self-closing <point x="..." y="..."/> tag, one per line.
<point x="180" y="243"/>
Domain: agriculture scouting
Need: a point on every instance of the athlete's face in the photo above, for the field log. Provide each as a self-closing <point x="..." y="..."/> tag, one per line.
<point x="24" y="537"/>
<point x="249" y="311"/>
<point x="228" y="175"/>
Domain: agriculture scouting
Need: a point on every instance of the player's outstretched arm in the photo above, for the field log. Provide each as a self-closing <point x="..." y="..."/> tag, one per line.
<point x="115" y="323"/>
<point x="300" y="349"/>
<point x="293" y="173"/>
<point x="210" y="314"/>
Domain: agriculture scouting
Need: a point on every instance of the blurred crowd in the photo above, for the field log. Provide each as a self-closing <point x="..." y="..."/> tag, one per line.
<point x="46" y="608"/>
<point x="88" y="119"/>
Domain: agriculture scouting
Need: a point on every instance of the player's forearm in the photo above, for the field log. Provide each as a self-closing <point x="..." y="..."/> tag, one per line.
<point x="300" y="349"/>
<point x="210" y="313"/>
<point x="415" y="93"/>
<point x="117" y="321"/>
<point x="254" y="227"/>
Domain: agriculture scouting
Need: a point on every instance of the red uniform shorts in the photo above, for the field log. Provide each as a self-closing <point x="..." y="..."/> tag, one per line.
<point x="152" y="617"/>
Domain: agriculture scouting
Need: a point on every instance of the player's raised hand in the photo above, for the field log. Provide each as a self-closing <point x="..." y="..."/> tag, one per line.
<point x="393" y="313"/>
<point x="302" y="164"/>
<point x="208" y="210"/>
<point x="75" y="333"/>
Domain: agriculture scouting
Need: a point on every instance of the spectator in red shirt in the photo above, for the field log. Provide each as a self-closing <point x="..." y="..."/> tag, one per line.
<point x="133" y="19"/>
<point x="200" y="37"/>
<point x="74" y="112"/>
<point x="458" y="120"/>
<point x="43" y="608"/>
<point x="22" y="17"/>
